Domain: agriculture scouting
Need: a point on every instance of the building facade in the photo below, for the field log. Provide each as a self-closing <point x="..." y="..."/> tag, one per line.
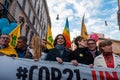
<point x="32" y="14"/>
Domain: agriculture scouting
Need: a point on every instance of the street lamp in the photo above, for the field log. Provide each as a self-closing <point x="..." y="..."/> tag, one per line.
<point x="57" y="18"/>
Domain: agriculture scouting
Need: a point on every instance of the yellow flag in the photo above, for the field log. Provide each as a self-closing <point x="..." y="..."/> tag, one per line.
<point x="84" y="30"/>
<point x="14" y="36"/>
<point x="49" y="38"/>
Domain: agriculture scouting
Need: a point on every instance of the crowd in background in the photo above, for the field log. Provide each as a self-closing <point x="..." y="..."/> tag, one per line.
<point x="86" y="52"/>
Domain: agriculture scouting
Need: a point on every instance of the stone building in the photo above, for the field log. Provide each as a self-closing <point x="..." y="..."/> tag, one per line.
<point x="33" y="14"/>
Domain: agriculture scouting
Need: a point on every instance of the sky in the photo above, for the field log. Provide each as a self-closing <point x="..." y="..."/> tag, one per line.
<point x="96" y="13"/>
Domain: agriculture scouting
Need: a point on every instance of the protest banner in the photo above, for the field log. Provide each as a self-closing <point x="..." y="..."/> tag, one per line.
<point x="27" y="69"/>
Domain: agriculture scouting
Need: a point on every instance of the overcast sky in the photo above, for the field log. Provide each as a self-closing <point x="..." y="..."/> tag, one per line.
<point x="96" y="13"/>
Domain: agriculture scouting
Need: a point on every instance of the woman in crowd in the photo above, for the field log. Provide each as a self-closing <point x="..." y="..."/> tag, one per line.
<point x="35" y="50"/>
<point x="107" y="58"/>
<point x="59" y="53"/>
<point x="81" y="55"/>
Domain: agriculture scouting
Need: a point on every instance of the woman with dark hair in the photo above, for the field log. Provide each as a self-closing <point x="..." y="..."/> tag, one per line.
<point x="81" y="55"/>
<point x="107" y="58"/>
<point x="59" y="53"/>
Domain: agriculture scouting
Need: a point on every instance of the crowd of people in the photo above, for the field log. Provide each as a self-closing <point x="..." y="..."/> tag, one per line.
<point x="87" y="52"/>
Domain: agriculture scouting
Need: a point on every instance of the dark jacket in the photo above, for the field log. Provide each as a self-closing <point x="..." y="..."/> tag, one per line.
<point x="21" y="53"/>
<point x="82" y="56"/>
<point x="97" y="53"/>
<point x="53" y="53"/>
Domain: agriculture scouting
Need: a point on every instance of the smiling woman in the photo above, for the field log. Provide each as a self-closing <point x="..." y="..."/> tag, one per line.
<point x="59" y="53"/>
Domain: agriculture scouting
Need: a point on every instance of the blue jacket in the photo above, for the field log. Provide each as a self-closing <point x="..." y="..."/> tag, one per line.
<point x="21" y="53"/>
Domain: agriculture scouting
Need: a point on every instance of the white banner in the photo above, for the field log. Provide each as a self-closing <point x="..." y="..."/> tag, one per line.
<point x="27" y="69"/>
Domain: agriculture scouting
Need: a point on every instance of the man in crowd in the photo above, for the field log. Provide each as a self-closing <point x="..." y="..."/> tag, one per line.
<point x="44" y="49"/>
<point x="92" y="47"/>
<point x="5" y="48"/>
<point x="21" y="46"/>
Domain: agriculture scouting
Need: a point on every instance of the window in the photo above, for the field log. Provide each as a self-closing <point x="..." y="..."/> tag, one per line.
<point x="33" y="20"/>
<point x="27" y="30"/>
<point x="29" y="12"/>
<point x="35" y="3"/>
<point x="31" y="34"/>
<point x="41" y="17"/>
<point x="7" y="3"/>
<point x="24" y="3"/>
<point x="16" y="11"/>
<point x="38" y="11"/>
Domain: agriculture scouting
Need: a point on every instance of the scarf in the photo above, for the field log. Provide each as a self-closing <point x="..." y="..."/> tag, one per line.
<point x="60" y="48"/>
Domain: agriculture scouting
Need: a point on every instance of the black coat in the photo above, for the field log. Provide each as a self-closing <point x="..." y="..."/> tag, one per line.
<point x="53" y="53"/>
<point x="97" y="53"/>
<point x="82" y="56"/>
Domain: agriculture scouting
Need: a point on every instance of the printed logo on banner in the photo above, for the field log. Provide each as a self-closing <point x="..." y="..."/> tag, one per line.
<point x="27" y="69"/>
<point x="57" y="74"/>
<point x="22" y="73"/>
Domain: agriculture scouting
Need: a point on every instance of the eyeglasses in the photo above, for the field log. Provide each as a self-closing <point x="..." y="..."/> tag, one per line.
<point x="91" y="43"/>
<point x="6" y="38"/>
